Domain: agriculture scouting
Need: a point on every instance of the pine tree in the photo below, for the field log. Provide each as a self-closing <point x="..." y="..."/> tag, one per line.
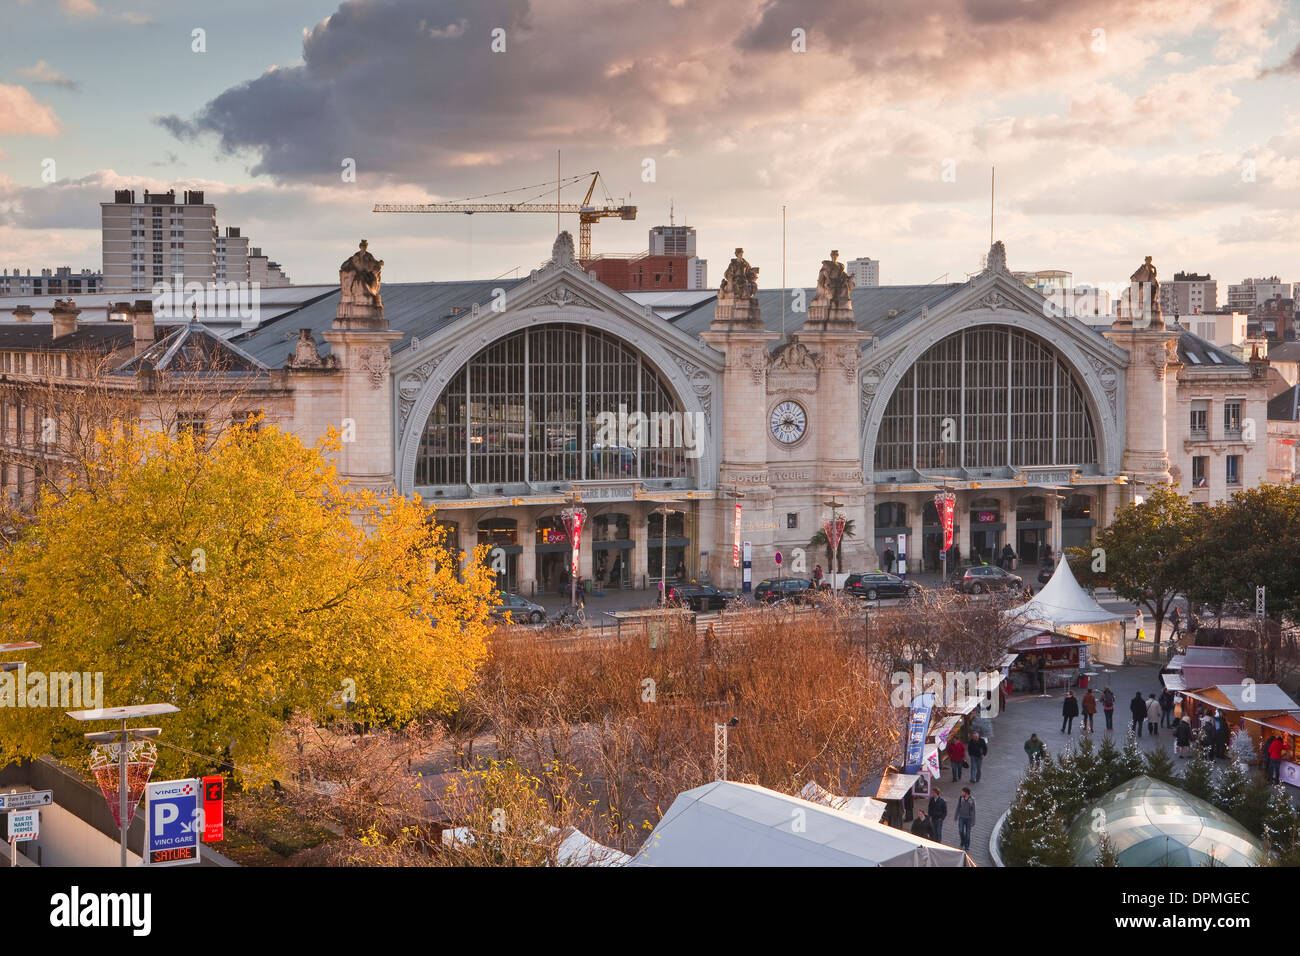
<point x="1230" y="788"/>
<point x="1130" y="763"/>
<point x="1108" y="760"/>
<point x="1160" y="766"/>
<point x="1034" y="833"/>
<point x="1107" y="855"/>
<point x="1198" y="774"/>
<point x="1241" y="749"/>
<point x="1089" y="770"/>
<point x="1252" y="809"/>
<point x="1281" y="827"/>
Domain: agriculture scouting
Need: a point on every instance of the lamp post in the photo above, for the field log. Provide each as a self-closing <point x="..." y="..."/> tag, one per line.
<point x="737" y="557"/>
<point x="663" y="511"/>
<point x="122" y="738"/>
<point x="838" y="528"/>
<point x="573" y="517"/>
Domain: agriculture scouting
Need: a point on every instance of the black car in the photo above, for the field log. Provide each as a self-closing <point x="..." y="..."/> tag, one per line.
<point x="879" y="584"/>
<point x="986" y="577"/>
<point x="518" y="609"/>
<point x="698" y="597"/>
<point x="797" y="590"/>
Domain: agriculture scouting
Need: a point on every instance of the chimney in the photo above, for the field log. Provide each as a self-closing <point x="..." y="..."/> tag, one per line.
<point x="64" y="312"/>
<point x="23" y="313"/>
<point x="142" y="322"/>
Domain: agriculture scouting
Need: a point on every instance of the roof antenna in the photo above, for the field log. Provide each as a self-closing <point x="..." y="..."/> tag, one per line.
<point x="993" y="179"/>
<point x="671" y="220"/>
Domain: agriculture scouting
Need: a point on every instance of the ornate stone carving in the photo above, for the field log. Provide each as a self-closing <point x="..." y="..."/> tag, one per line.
<point x="562" y="297"/>
<point x="845" y="358"/>
<point x="997" y="258"/>
<point x="737" y="305"/>
<point x="795" y="357"/>
<point x="754" y="358"/>
<point x="375" y="360"/>
<point x="993" y="300"/>
<point x="1109" y="382"/>
<point x="359" y="279"/>
<point x="832" y="304"/>
<point x="412" y="384"/>
<point x="306" y="355"/>
<point x="562" y="251"/>
<point x="871" y="380"/>
<point x="1144" y="286"/>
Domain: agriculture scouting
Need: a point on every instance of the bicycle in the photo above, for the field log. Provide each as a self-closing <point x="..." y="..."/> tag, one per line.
<point x="571" y="616"/>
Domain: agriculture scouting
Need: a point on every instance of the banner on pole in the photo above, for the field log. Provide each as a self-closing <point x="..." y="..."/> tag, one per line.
<point x="573" y="519"/>
<point x="735" y="547"/>
<point x="917" y="726"/>
<point x="946" y="504"/>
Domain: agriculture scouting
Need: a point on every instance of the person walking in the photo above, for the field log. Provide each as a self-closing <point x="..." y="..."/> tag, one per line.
<point x="1182" y="737"/>
<point x="1153" y="716"/>
<point x="1167" y="708"/>
<point x="817" y="576"/>
<point x="889" y="560"/>
<point x="1089" y="704"/>
<point x="1275" y="759"/>
<point x="938" y="813"/>
<point x="1008" y="558"/>
<point x="1108" y="708"/>
<point x="1034" y="749"/>
<point x="1138" y="709"/>
<point x="965" y="817"/>
<point x="1069" y="711"/>
<point x="1221" y="734"/>
<point x="956" y="757"/>
<point x="976" y="751"/>
<point x="921" y="826"/>
<point x="1175" y="623"/>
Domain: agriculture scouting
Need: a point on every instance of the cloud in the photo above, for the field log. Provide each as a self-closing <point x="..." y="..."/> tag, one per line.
<point x="22" y="115"/>
<point x="136" y="19"/>
<point x="42" y="74"/>
<point x="1290" y="65"/>
<point x="80" y="8"/>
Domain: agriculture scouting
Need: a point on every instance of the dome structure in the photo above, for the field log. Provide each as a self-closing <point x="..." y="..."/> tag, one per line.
<point x="1151" y="823"/>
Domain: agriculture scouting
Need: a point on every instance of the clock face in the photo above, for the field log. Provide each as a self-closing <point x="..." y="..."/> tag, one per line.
<point x="789" y="422"/>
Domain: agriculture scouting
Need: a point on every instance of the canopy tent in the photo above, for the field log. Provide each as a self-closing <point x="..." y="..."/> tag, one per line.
<point x="1064" y="605"/>
<point x="1248" y="698"/>
<point x="1283" y="723"/>
<point x="739" y="824"/>
<point x="866" y="807"/>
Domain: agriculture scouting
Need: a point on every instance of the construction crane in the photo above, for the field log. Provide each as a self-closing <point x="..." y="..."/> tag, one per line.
<point x="587" y="213"/>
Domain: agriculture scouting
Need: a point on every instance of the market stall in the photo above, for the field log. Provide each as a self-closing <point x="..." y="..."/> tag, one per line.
<point x="1063" y="606"/>
<point x="1288" y="725"/>
<point x="1046" y="659"/>
<point x="1242" y="705"/>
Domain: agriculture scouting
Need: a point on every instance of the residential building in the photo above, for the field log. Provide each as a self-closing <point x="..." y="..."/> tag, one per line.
<point x="161" y="239"/>
<point x="1274" y="319"/>
<point x="1188" y="293"/>
<point x="670" y="263"/>
<point x="1283" y="436"/>
<point x="232" y="256"/>
<point x="263" y="272"/>
<point x="59" y="281"/>
<point x="865" y="271"/>
<point x="1249" y="294"/>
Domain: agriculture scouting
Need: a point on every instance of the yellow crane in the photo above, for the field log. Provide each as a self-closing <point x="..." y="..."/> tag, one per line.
<point x="587" y="213"/>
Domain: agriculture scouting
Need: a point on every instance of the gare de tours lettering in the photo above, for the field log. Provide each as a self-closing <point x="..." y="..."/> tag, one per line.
<point x="763" y="477"/>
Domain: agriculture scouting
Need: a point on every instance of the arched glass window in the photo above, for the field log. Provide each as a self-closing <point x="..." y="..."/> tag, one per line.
<point x="891" y="514"/>
<point x="986" y="397"/>
<point x="556" y="403"/>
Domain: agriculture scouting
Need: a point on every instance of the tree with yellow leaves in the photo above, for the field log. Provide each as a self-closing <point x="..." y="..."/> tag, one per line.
<point x="239" y="578"/>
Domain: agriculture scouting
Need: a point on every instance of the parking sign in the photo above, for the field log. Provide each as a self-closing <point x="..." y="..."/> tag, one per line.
<point x="174" y="822"/>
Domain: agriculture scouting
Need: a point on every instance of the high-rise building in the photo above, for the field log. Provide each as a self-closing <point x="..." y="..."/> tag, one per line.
<point x="1048" y="282"/>
<point x="1248" y="294"/>
<point x="672" y="241"/>
<point x="232" y="256"/>
<point x="158" y="240"/>
<point x="1189" y="293"/>
<point x="58" y="281"/>
<point x="265" y="273"/>
<point x="865" y="271"/>
<point x="698" y="275"/>
<point x="670" y="263"/>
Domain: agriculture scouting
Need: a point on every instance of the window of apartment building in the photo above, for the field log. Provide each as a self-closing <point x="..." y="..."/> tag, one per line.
<point x="1198" y="471"/>
<point x="792" y="519"/>
<point x="1200" y="422"/>
<point x="1232" y="418"/>
<point x="1234" y="469"/>
<point x="190" y="424"/>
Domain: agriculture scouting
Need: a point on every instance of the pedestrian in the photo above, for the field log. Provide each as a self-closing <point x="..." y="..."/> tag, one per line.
<point x="817" y="576"/>
<point x="976" y="751"/>
<point x="1138" y="710"/>
<point x="1034" y="749"/>
<point x="1182" y="737"/>
<point x="1153" y="716"/>
<point x="1167" y="708"/>
<point x="938" y="813"/>
<point x="1275" y="759"/>
<point x="1008" y="558"/>
<point x="965" y="817"/>
<point x="907" y="805"/>
<point x="889" y="560"/>
<point x="921" y="826"/>
<point x="681" y="570"/>
<point x="956" y="757"/>
<point x="1221" y="734"/>
<point x="1108" y="708"/>
<point x="1176" y="623"/>
<point x="1069" y="711"/>
<point x="1089" y="705"/>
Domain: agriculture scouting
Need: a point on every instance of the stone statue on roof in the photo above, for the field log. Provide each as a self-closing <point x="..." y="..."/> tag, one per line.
<point x="834" y="284"/>
<point x="1144" y="295"/>
<point x="737" y="305"/>
<point x="359" y="278"/>
<point x="740" y="280"/>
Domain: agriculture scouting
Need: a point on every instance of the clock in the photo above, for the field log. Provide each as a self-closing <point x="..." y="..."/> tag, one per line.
<point x="789" y="422"/>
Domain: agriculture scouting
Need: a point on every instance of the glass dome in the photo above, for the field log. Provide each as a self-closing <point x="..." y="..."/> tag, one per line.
<point x="1155" y="824"/>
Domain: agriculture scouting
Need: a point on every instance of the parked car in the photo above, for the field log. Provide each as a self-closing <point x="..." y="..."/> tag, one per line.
<point x="986" y="577"/>
<point x="797" y="590"/>
<point x="698" y="597"/>
<point x="518" y="609"/>
<point x="879" y="584"/>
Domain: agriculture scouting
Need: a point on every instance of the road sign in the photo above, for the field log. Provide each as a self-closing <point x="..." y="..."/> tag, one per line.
<point x="173" y="822"/>
<point x="24" y="825"/>
<point x="214" y="826"/>
<point x="778" y="557"/>
<point x="28" y="798"/>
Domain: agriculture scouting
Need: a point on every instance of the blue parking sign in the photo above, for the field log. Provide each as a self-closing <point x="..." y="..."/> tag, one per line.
<point x="173" y="822"/>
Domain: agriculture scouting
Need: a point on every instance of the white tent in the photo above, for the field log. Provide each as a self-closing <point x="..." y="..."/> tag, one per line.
<point x="868" y="808"/>
<point x="739" y="824"/>
<point x="1066" y="607"/>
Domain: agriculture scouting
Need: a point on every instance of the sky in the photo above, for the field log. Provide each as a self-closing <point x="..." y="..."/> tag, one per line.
<point x="1118" y="128"/>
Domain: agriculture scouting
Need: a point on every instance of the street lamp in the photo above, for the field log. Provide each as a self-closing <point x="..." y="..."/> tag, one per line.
<point x="664" y="511"/>
<point x="573" y="518"/>
<point x="834" y="531"/>
<point x="122" y="738"/>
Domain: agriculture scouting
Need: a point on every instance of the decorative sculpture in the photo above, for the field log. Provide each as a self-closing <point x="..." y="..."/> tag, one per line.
<point x="740" y="280"/>
<point x="997" y="260"/>
<point x="1145" y="289"/>
<point x="359" y="278"/>
<point x="737" y="306"/>
<point x="834" y="284"/>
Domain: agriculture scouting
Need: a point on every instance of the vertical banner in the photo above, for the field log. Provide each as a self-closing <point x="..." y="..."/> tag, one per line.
<point x="946" y="504"/>
<point x="573" y="519"/>
<point x="748" y="555"/>
<point x="902" y="556"/>
<point x="735" y="547"/>
<point x="214" y="816"/>
<point x="918" y="725"/>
